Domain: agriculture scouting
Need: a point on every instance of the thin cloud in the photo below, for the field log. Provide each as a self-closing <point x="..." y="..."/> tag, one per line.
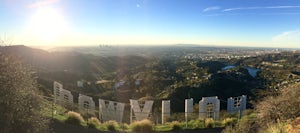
<point x="228" y="14"/>
<point x="282" y="7"/>
<point x="211" y="8"/>
<point x="285" y="13"/>
<point x="240" y="8"/>
<point x="138" y="5"/>
<point x="253" y="8"/>
<point x="288" y="36"/>
<point x="42" y="3"/>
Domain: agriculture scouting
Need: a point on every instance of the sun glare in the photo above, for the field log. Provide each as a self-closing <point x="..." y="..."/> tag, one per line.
<point x="47" y="24"/>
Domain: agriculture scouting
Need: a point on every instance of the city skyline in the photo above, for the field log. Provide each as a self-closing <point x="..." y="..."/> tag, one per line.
<point x="254" y="23"/>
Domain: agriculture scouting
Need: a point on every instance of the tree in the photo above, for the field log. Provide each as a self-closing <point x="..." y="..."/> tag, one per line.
<point x="20" y="105"/>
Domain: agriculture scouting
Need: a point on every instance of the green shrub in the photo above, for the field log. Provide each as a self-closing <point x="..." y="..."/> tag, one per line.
<point x="93" y="122"/>
<point x="229" y="129"/>
<point x="143" y="126"/>
<point x="175" y="125"/>
<point x="74" y="118"/>
<point x="248" y="112"/>
<point x="124" y="126"/>
<point x="229" y="121"/>
<point x="111" y="125"/>
<point x="196" y="124"/>
<point x="246" y="125"/>
<point x="218" y="124"/>
<point x="225" y="114"/>
<point x="276" y="128"/>
<point x="209" y="123"/>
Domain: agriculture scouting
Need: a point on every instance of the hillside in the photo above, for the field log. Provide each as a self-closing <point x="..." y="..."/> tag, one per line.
<point x="70" y="67"/>
<point x="160" y="78"/>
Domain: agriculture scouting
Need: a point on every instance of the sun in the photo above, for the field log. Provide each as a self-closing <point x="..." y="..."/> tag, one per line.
<point x="47" y="24"/>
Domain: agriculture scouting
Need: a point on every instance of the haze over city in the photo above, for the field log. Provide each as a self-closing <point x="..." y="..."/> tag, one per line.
<point x="255" y="23"/>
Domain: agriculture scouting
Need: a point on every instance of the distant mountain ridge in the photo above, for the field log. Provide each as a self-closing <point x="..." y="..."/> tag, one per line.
<point x="70" y="61"/>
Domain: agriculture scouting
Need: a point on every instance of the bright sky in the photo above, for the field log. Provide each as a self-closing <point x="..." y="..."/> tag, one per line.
<point x="266" y="23"/>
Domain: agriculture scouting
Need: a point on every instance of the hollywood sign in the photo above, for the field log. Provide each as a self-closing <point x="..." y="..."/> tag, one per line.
<point x="108" y="110"/>
<point x="209" y="107"/>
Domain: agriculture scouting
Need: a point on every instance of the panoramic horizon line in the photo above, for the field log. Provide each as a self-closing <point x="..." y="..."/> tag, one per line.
<point x="155" y="45"/>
